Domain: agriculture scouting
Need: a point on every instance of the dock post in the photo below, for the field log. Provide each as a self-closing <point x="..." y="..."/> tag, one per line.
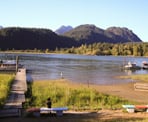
<point x="17" y="61"/>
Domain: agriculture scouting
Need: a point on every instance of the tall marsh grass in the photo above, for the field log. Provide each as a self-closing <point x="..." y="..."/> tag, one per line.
<point x="5" y="83"/>
<point x="74" y="96"/>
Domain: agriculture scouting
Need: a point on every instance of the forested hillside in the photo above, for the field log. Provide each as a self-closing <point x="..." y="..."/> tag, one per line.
<point x="30" y="38"/>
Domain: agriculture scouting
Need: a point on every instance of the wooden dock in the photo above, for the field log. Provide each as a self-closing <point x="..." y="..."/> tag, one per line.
<point x="16" y="97"/>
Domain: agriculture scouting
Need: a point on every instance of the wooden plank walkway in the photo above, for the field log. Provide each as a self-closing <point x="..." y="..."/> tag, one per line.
<point x="141" y="86"/>
<point x="14" y="102"/>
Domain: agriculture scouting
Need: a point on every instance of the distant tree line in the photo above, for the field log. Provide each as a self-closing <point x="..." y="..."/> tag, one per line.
<point x="124" y="49"/>
<point x="134" y="49"/>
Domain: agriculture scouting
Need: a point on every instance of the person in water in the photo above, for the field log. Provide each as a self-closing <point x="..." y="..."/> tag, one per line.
<point x="49" y="102"/>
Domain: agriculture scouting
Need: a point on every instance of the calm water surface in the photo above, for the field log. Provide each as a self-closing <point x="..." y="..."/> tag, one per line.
<point x="77" y="68"/>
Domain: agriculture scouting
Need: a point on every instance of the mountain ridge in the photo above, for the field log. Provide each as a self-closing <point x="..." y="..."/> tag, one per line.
<point x="90" y="33"/>
<point x="31" y="38"/>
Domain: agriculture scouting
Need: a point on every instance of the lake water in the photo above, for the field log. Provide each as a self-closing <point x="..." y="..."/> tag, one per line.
<point x="77" y="68"/>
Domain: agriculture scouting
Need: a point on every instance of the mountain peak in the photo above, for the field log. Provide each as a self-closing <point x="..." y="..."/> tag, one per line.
<point x="1" y="27"/>
<point x="63" y="29"/>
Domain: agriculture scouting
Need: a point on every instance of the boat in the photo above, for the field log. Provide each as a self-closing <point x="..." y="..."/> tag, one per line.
<point x="9" y="65"/>
<point x="131" y="66"/>
<point x="144" y="65"/>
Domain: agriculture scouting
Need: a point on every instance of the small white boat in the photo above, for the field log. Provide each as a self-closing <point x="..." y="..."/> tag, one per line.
<point x="132" y="66"/>
<point x="145" y="65"/>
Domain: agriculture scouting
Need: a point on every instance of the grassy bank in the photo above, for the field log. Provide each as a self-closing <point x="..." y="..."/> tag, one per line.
<point x="5" y="83"/>
<point x="74" y="96"/>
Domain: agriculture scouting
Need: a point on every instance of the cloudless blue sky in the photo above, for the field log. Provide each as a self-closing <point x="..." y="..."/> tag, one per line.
<point x="52" y="14"/>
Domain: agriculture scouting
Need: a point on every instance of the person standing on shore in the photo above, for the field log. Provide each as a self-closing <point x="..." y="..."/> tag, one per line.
<point x="49" y="103"/>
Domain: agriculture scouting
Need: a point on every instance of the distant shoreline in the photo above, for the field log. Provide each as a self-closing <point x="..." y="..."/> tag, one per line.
<point x="23" y="52"/>
<point x="10" y="52"/>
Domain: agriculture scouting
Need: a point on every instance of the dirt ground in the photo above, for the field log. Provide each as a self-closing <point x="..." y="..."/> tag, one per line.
<point x="123" y="90"/>
<point x="70" y="116"/>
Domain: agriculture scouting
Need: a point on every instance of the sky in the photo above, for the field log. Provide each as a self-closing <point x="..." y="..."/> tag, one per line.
<point x="52" y="14"/>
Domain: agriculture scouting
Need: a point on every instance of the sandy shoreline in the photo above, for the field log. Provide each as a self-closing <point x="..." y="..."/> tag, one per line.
<point x="125" y="90"/>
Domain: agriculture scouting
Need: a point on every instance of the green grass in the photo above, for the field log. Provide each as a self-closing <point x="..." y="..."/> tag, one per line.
<point x="74" y="96"/>
<point x="5" y="81"/>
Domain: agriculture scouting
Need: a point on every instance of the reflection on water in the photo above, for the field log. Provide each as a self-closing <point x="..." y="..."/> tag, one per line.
<point x="77" y="68"/>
